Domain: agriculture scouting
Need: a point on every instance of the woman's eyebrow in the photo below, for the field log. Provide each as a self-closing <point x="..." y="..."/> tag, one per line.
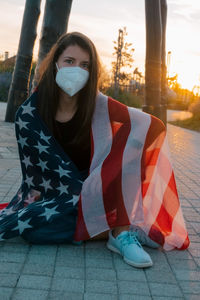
<point x="69" y="57"/>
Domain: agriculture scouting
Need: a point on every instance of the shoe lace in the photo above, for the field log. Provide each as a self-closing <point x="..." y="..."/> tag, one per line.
<point x="140" y="235"/>
<point x="128" y="239"/>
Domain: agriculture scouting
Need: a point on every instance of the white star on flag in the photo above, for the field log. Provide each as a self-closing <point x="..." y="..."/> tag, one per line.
<point x="44" y="137"/>
<point x="29" y="180"/>
<point x="22" y="124"/>
<point x="27" y="161"/>
<point x="46" y="184"/>
<point x="22" y="141"/>
<point x="27" y="109"/>
<point x="41" y="148"/>
<point x="8" y="211"/>
<point x="43" y="165"/>
<point x="63" y="189"/>
<point x="49" y="212"/>
<point x="22" y="225"/>
<point x="74" y="199"/>
<point x="62" y="172"/>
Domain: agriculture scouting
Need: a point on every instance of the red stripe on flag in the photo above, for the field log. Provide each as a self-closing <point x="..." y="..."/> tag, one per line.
<point x="3" y="205"/>
<point x="185" y="244"/>
<point x="170" y="202"/>
<point x="81" y="232"/>
<point x="150" y="157"/>
<point x="172" y="185"/>
<point x="111" y="172"/>
<point x="168" y="209"/>
<point x="156" y="235"/>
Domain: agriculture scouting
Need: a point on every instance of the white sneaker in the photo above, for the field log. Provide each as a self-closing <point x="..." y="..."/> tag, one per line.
<point x="127" y="245"/>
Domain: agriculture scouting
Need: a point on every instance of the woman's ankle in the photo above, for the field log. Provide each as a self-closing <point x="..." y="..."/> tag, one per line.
<point x="101" y="236"/>
<point x="117" y="230"/>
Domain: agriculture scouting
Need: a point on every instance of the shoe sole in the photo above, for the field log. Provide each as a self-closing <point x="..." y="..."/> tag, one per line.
<point x="137" y="265"/>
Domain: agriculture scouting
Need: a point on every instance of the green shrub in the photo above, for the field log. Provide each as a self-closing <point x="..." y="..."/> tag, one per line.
<point x="126" y="98"/>
<point x="3" y="94"/>
<point x="195" y="109"/>
<point x="192" y="123"/>
<point x="5" y="80"/>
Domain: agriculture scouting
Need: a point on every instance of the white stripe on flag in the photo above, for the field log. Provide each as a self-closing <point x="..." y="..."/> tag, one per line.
<point x="92" y="194"/>
<point x="131" y="170"/>
<point x="153" y="199"/>
<point x="178" y="227"/>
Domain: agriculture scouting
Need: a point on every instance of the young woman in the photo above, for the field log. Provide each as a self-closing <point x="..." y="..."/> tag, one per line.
<point x="91" y="166"/>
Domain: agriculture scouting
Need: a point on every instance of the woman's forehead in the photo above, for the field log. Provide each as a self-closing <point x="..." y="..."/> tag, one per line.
<point x="75" y="51"/>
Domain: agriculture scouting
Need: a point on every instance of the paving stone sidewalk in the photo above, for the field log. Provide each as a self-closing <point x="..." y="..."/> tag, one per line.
<point x="90" y="271"/>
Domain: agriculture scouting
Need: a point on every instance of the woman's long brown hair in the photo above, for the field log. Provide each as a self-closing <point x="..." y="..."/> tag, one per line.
<point x="48" y="91"/>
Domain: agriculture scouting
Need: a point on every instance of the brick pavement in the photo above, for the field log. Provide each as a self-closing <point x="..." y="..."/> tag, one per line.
<point x="90" y="271"/>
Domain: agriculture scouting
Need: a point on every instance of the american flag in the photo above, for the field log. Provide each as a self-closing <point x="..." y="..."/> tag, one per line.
<point x="44" y="210"/>
<point x="131" y="180"/>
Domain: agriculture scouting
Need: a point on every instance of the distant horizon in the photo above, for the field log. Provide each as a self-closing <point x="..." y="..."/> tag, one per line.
<point x="183" y="25"/>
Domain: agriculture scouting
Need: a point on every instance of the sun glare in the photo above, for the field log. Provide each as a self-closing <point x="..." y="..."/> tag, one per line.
<point x="187" y="68"/>
<point x="187" y="80"/>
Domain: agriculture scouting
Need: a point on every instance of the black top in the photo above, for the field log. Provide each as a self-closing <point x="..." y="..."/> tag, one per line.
<point x="64" y="134"/>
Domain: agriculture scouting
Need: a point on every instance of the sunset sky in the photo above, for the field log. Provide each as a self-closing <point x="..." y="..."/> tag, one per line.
<point x="101" y="20"/>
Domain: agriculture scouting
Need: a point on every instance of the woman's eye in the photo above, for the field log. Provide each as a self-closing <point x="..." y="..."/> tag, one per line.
<point x="69" y="61"/>
<point x="85" y="66"/>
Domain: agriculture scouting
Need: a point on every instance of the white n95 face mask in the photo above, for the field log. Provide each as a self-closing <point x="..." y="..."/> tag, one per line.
<point x="71" y="79"/>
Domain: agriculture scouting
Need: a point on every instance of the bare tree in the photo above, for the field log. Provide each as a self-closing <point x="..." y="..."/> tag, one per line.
<point x="55" y="23"/>
<point x="124" y="60"/>
<point x="21" y="75"/>
<point x="153" y="58"/>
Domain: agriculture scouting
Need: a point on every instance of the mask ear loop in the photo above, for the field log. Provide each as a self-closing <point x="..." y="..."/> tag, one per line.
<point x="57" y="67"/>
